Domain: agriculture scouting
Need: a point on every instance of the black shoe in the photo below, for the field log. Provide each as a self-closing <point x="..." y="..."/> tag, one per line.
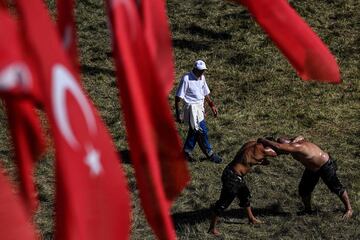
<point x="215" y="158"/>
<point x="189" y="157"/>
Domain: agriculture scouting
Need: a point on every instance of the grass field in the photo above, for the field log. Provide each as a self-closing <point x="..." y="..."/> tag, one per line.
<point x="257" y="93"/>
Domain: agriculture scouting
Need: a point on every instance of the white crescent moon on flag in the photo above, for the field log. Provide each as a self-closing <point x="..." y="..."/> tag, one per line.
<point x="15" y="75"/>
<point x="63" y="81"/>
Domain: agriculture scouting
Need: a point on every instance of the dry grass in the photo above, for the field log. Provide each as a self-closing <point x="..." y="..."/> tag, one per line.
<point x="257" y="93"/>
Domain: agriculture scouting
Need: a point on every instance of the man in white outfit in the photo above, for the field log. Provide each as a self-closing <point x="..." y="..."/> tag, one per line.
<point x="193" y="90"/>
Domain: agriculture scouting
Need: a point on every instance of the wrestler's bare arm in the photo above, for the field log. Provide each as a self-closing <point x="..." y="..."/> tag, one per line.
<point x="284" y="147"/>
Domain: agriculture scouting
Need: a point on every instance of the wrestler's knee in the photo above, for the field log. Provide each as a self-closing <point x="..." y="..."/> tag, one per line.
<point x="338" y="190"/>
<point x="245" y="200"/>
<point x="218" y="208"/>
<point x="245" y="203"/>
<point x="335" y="185"/>
<point x="304" y="191"/>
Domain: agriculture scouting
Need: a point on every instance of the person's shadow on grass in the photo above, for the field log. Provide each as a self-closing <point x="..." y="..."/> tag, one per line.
<point x="202" y="215"/>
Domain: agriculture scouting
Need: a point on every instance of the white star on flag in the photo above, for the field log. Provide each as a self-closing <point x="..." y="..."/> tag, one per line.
<point x="92" y="159"/>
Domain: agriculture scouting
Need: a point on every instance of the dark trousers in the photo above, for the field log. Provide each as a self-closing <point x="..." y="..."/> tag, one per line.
<point x="233" y="186"/>
<point x="327" y="173"/>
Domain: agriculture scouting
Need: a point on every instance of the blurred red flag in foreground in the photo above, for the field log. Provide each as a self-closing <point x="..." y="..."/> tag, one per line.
<point x="158" y="39"/>
<point x="304" y="49"/>
<point x="16" y="85"/>
<point x="67" y="29"/>
<point x="29" y="144"/>
<point x="92" y="200"/>
<point x="156" y="151"/>
<point x="14" y="221"/>
<point x="3" y="3"/>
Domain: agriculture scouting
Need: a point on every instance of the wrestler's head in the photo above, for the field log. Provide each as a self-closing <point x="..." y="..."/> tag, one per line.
<point x="283" y="140"/>
<point x="268" y="151"/>
<point x="290" y="140"/>
<point x="270" y="138"/>
<point x="298" y="139"/>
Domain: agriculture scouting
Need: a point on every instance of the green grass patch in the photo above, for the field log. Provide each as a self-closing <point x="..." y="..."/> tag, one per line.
<point x="257" y="93"/>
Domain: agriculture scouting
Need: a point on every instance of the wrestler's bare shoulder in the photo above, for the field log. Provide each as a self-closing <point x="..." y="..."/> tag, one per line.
<point x="243" y="151"/>
<point x="310" y="146"/>
<point x="249" y="144"/>
<point x="246" y="146"/>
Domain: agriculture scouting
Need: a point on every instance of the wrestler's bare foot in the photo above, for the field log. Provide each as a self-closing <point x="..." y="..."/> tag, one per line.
<point x="347" y="215"/>
<point x="214" y="231"/>
<point x="255" y="221"/>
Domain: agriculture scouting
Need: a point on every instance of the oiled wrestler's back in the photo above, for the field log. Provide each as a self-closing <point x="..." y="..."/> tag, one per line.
<point x="241" y="156"/>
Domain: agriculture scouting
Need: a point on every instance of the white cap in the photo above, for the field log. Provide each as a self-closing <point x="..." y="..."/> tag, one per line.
<point x="200" y="65"/>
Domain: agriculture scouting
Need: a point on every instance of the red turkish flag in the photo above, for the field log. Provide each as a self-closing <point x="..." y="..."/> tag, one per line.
<point x="14" y="221"/>
<point x="16" y="88"/>
<point x="156" y="150"/>
<point x="158" y="39"/>
<point x="15" y="72"/>
<point x="303" y="48"/>
<point x="3" y="4"/>
<point x="92" y="199"/>
<point x="67" y="28"/>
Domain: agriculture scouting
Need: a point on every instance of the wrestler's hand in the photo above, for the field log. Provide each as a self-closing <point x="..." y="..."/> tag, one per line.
<point x="255" y="221"/>
<point x="347" y="215"/>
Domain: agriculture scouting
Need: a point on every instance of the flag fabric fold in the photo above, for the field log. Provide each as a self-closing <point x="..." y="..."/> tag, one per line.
<point x="16" y="90"/>
<point x="66" y="24"/>
<point x="158" y="39"/>
<point x="29" y="144"/>
<point x="15" y="72"/>
<point x="92" y="199"/>
<point x="160" y="167"/>
<point x="295" y="39"/>
<point x="3" y="4"/>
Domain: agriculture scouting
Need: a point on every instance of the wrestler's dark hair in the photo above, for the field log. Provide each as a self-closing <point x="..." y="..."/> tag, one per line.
<point x="270" y="138"/>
